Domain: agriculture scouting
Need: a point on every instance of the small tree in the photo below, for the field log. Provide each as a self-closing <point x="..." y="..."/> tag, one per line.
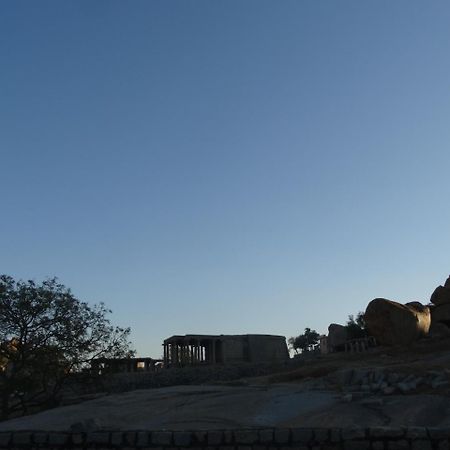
<point x="304" y="342"/>
<point x="46" y="334"/>
<point x="356" y="327"/>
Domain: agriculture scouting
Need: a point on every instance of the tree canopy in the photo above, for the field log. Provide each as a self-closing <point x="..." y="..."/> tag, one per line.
<point x="304" y="342"/>
<point x="356" y="326"/>
<point x="46" y="334"/>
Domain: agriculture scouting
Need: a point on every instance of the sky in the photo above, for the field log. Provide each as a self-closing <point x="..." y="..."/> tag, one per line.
<point x="226" y="167"/>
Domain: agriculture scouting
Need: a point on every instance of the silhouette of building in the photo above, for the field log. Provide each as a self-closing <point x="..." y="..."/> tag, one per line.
<point x="115" y="365"/>
<point x="198" y="349"/>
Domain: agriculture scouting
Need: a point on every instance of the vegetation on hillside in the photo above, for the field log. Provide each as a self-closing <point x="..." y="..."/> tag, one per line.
<point x="46" y="334"/>
<point x="356" y="326"/>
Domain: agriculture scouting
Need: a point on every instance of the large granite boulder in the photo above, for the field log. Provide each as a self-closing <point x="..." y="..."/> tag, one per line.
<point x="337" y="337"/>
<point x="392" y="323"/>
<point x="441" y="294"/>
<point x="440" y="320"/>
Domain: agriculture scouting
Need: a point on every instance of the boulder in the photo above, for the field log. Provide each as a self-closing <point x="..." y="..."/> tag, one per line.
<point x="337" y="337"/>
<point x="447" y="282"/>
<point x="392" y="323"/>
<point x="440" y="320"/>
<point x="441" y="295"/>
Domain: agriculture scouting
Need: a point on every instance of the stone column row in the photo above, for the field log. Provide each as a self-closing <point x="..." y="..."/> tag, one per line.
<point x="191" y="352"/>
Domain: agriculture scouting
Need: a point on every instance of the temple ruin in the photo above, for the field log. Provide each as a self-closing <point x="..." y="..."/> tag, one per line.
<point x="198" y="349"/>
<point x="115" y="365"/>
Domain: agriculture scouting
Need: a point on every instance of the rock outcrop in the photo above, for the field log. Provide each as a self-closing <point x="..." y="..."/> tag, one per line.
<point x="337" y="337"/>
<point x="392" y="323"/>
<point x="440" y="320"/>
<point x="441" y="294"/>
<point x="360" y="382"/>
<point x="440" y="310"/>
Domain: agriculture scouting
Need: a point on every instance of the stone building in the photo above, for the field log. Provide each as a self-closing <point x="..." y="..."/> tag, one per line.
<point x="119" y="365"/>
<point x="323" y="344"/>
<point x="198" y="349"/>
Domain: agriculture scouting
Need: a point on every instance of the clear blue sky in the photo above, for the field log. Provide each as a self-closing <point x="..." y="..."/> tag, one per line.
<point x="226" y="166"/>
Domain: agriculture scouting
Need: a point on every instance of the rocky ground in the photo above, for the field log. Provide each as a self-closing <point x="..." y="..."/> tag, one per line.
<point x="387" y="386"/>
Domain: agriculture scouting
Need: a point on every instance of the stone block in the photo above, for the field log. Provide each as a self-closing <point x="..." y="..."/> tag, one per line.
<point x="56" y="439"/>
<point x="335" y="435"/>
<point x="77" y="439"/>
<point x="386" y="432"/>
<point x="22" y="438"/>
<point x="439" y="433"/>
<point x="142" y="439"/>
<point x="421" y="444"/>
<point x="246" y="436"/>
<point x="182" y="438"/>
<point x="254" y="447"/>
<point x="98" y="438"/>
<point x="443" y="445"/>
<point x="163" y="438"/>
<point x="401" y="444"/>
<point x="40" y="438"/>
<point x="129" y="438"/>
<point x="228" y="437"/>
<point x="416" y="433"/>
<point x="228" y="447"/>
<point x="302" y="435"/>
<point x="377" y="445"/>
<point x="281" y="436"/>
<point x="117" y="439"/>
<point x="5" y="439"/>
<point x="353" y="433"/>
<point x="200" y="436"/>
<point x="321" y="435"/>
<point x="215" y="437"/>
<point x="266" y="436"/>
<point x="244" y="447"/>
<point x="356" y="445"/>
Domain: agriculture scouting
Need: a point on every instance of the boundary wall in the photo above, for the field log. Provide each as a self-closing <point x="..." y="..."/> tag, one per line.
<point x="376" y="438"/>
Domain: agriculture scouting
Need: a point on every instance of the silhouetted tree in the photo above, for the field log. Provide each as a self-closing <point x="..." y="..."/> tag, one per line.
<point x="356" y="327"/>
<point x="304" y="342"/>
<point x="45" y="335"/>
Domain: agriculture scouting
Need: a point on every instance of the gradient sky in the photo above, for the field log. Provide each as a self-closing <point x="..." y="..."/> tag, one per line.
<point x="231" y="166"/>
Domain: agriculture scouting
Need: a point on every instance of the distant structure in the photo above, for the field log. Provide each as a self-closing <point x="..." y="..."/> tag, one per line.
<point x="120" y="365"/>
<point x="323" y="344"/>
<point x="198" y="349"/>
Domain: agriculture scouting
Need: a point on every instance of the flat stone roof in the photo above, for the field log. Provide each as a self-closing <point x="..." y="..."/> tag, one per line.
<point x="200" y="337"/>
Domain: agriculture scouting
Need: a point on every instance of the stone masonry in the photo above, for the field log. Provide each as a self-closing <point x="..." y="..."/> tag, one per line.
<point x="197" y="350"/>
<point x="379" y="438"/>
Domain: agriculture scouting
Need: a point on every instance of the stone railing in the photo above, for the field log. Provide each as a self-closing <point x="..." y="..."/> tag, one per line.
<point x="360" y="344"/>
<point x="378" y="438"/>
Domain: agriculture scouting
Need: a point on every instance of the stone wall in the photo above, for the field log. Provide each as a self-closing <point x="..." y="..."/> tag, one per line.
<point x="190" y="375"/>
<point x="267" y="348"/>
<point x="235" y="349"/>
<point x="379" y="438"/>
